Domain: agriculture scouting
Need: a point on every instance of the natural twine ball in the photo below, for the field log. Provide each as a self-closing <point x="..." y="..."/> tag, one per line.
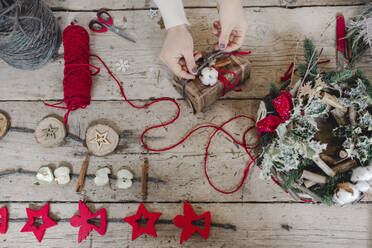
<point x="29" y="33"/>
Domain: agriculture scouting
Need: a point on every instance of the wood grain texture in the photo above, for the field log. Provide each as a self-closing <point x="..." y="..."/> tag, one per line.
<point x="273" y="46"/>
<point x="233" y="225"/>
<point x="177" y="174"/>
<point x="140" y="4"/>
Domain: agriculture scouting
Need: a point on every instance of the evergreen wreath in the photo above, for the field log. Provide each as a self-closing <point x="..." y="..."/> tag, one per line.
<point x="316" y="137"/>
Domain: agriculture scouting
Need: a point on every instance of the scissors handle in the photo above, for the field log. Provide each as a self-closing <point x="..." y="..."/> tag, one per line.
<point x="97" y="26"/>
<point x="104" y="17"/>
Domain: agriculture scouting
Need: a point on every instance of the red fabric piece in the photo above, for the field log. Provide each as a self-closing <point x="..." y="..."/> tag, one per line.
<point x="77" y="81"/>
<point x="185" y="221"/>
<point x="340" y="32"/>
<point x="42" y="213"/>
<point x="283" y="105"/>
<point x="82" y="221"/>
<point x="4" y="220"/>
<point x="149" y="228"/>
<point x="269" y="124"/>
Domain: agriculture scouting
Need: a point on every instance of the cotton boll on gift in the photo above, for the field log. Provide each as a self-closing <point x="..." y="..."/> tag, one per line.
<point x="209" y="76"/>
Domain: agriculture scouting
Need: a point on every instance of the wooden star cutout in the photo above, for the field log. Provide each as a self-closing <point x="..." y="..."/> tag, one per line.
<point x="50" y="132"/>
<point x="150" y="225"/>
<point x="100" y="139"/>
<point x="42" y="213"/>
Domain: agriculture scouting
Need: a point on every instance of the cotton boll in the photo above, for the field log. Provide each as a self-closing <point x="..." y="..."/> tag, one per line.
<point x="346" y="193"/>
<point x="362" y="186"/>
<point x="209" y="76"/>
<point x="362" y="174"/>
<point x="343" y="197"/>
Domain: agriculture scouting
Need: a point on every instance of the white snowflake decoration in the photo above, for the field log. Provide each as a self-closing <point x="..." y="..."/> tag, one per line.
<point x="153" y="13"/>
<point x="122" y="65"/>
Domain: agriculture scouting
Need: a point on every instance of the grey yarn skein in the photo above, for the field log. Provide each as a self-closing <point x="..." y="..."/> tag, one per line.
<point x="29" y="33"/>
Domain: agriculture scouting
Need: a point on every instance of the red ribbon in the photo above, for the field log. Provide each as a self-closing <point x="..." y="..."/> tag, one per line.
<point x="283" y="105"/>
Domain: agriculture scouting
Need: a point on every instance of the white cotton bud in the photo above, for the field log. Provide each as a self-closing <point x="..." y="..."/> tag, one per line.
<point x="343" y="196"/>
<point x="362" y="186"/>
<point x="209" y="76"/>
<point x="362" y="174"/>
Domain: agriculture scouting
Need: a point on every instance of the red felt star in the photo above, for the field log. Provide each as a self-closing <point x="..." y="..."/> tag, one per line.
<point x="149" y="228"/>
<point x="82" y="221"/>
<point x="186" y="222"/>
<point x="4" y="220"/>
<point x="42" y="213"/>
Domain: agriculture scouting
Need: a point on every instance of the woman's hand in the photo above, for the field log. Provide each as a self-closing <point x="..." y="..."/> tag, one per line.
<point x="231" y="27"/>
<point x="178" y="52"/>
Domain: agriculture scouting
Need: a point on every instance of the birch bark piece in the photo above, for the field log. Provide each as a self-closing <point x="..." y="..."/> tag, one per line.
<point x="50" y="132"/>
<point x="4" y="124"/>
<point x="101" y="140"/>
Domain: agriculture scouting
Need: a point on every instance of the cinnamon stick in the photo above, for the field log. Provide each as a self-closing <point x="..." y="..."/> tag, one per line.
<point x="144" y="179"/>
<point x="327" y="159"/>
<point x="222" y="63"/>
<point x="83" y="171"/>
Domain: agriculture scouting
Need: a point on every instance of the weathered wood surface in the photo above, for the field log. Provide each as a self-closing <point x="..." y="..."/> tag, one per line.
<point x="272" y="43"/>
<point x="261" y="212"/>
<point x="256" y="225"/>
<point x="177" y="174"/>
<point x="140" y="4"/>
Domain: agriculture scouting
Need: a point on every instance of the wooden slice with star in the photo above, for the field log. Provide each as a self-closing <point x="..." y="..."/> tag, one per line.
<point x="4" y="124"/>
<point x="50" y="132"/>
<point x="101" y="140"/>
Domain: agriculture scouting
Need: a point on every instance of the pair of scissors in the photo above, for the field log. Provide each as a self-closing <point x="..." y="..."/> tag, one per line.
<point x="105" y="22"/>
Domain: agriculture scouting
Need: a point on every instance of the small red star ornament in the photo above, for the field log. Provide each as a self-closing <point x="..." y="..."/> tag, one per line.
<point x="82" y="221"/>
<point x="4" y="220"/>
<point x="150" y="225"/>
<point x="42" y="213"/>
<point x="186" y="220"/>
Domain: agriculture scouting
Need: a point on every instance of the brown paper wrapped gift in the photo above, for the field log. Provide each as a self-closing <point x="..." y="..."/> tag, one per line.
<point x="200" y="96"/>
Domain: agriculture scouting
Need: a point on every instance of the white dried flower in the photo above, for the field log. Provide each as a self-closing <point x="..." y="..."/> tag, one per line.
<point x="122" y="65"/>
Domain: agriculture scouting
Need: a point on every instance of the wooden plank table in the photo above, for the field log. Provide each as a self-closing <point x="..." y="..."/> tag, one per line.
<point x="259" y="215"/>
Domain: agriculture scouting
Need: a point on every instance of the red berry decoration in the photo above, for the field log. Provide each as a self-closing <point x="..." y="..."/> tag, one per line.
<point x="186" y="221"/>
<point x="30" y="226"/>
<point x="4" y="220"/>
<point x="86" y="227"/>
<point x="150" y="225"/>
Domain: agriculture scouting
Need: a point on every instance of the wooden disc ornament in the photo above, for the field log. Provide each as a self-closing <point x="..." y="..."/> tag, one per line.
<point x="50" y="132"/>
<point x="4" y="124"/>
<point x="101" y="140"/>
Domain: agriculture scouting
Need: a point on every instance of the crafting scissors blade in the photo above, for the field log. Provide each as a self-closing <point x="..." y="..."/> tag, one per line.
<point x="120" y="32"/>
